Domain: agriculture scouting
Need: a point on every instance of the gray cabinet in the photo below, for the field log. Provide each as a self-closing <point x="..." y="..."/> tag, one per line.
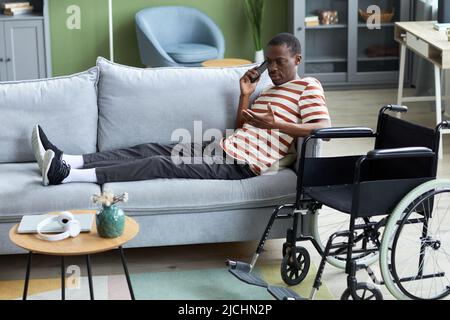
<point x="348" y="52"/>
<point x="25" y="44"/>
<point x="3" y="75"/>
<point x="24" y="56"/>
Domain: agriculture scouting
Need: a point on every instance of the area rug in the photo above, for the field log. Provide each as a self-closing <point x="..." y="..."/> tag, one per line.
<point x="200" y="284"/>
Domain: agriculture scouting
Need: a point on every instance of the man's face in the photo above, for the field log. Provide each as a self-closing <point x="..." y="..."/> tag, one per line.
<point x="282" y="64"/>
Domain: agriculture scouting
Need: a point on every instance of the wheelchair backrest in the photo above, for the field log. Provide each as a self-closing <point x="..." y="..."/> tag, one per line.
<point x="398" y="133"/>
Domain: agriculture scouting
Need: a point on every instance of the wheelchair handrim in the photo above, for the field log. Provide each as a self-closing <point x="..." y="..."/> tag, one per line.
<point x="390" y="231"/>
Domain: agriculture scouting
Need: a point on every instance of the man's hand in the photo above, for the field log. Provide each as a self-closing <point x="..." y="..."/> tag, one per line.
<point x="260" y="120"/>
<point x="247" y="87"/>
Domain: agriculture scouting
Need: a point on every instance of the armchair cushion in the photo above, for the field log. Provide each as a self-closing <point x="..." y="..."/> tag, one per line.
<point x="191" y="52"/>
<point x="158" y="28"/>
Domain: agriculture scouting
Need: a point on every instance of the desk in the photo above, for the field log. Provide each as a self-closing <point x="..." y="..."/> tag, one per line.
<point x="421" y="38"/>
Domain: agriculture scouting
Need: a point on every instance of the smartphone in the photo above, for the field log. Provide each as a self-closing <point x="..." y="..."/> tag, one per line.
<point x="260" y="69"/>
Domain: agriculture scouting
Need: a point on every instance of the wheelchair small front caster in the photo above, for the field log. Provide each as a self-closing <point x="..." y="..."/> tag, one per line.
<point x="364" y="291"/>
<point x="295" y="266"/>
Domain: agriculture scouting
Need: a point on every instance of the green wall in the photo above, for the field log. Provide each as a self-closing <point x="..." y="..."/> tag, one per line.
<point x="76" y="50"/>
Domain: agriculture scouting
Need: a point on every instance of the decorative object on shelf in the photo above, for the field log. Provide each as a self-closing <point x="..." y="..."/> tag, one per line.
<point x="329" y="17"/>
<point x="312" y="21"/>
<point x="381" y="51"/>
<point x="110" y="218"/>
<point x="385" y="16"/>
<point x="254" y="9"/>
<point x="11" y="5"/>
<point x="16" y="8"/>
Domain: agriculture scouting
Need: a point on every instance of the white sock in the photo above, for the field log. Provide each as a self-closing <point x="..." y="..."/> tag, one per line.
<point x="75" y="162"/>
<point x="83" y="175"/>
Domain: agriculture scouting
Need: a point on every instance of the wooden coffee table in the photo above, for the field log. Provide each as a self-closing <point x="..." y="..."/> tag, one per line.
<point x="228" y="62"/>
<point x="83" y="245"/>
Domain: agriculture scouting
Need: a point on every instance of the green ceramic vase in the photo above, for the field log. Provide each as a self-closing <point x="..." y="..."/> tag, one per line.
<point x="110" y="222"/>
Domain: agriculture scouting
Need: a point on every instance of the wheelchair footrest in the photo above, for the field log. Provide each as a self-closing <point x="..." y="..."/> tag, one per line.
<point x="242" y="271"/>
<point x="282" y="293"/>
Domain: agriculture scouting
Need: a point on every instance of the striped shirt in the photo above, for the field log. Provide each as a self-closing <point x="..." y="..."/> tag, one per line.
<point x="298" y="101"/>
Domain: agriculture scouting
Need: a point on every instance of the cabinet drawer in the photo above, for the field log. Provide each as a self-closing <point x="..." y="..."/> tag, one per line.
<point x="417" y="44"/>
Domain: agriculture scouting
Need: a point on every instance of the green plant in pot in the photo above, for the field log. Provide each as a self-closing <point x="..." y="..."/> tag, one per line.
<point x="254" y="9"/>
<point x="110" y="218"/>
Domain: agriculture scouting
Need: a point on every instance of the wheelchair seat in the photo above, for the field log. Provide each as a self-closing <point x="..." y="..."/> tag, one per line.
<point x="381" y="183"/>
<point x="338" y="197"/>
<point x="376" y="198"/>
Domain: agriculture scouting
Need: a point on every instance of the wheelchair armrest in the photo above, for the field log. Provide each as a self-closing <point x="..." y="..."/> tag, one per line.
<point x="397" y="153"/>
<point x="415" y="152"/>
<point x="348" y="132"/>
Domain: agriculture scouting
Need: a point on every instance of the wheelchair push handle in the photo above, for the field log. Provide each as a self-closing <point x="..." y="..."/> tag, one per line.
<point x="394" y="108"/>
<point x="443" y="125"/>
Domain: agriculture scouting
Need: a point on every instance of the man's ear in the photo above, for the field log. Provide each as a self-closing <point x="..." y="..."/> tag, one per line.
<point x="298" y="59"/>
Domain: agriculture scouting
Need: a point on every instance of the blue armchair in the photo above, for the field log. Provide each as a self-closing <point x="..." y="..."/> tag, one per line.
<point x="177" y="36"/>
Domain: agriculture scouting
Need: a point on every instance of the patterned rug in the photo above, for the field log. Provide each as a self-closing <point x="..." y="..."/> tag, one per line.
<point x="207" y="284"/>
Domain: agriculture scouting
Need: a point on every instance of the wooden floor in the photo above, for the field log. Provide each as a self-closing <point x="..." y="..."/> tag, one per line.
<point x="347" y="108"/>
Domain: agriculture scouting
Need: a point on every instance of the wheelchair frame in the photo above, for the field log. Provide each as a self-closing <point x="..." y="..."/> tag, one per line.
<point x="304" y="207"/>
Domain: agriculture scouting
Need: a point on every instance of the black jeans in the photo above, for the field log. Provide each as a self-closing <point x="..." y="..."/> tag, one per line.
<point x="153" y="161"/>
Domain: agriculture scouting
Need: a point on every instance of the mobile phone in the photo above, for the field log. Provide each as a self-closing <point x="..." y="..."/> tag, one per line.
<point x="260" y="69"/>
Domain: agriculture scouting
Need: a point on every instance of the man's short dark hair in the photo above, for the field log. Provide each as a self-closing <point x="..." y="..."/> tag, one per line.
<point x="289" y="40"/>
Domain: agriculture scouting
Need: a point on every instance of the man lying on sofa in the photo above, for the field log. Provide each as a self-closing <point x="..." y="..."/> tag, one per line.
<point x="265" y="133"/>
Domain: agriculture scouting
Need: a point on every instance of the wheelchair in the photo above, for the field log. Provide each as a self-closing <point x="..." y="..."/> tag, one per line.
<point x="386" y="206"/>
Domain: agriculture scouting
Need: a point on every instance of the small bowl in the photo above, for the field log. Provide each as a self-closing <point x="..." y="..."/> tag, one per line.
<point x="385" y="16"/>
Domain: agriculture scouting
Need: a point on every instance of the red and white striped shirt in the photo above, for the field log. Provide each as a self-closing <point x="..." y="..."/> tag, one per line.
<point x="298" y="101"/>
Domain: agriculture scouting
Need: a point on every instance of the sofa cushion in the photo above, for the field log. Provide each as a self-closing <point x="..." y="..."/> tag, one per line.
<point x="191" y="52"/>
<point x="182" y="195"/>
<point x="21" y="192"/>
<point x="66" y="107"/>
<point x="147" y="105"/>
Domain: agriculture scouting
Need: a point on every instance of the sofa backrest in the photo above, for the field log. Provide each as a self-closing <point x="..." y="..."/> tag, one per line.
<point x="147" y="105"/>
<point x="66" y="108"/>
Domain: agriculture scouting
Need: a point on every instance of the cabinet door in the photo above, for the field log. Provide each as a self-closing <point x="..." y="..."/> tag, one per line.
<point x="325" y="44"/>
<point x="375" y="55"/>
<point x="2" y="53"/>
<point x="25" y="54"/>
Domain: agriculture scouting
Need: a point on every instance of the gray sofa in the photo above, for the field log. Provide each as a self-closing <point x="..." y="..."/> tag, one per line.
<point x="112" y="106"/>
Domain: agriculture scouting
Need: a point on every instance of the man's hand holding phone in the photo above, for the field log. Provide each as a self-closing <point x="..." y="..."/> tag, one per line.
<point x="247" y="86"/>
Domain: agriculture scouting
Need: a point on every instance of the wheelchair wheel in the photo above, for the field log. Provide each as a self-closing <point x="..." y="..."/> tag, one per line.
<point x="328" y="221"/>
<point x="415" y="250"/>
<point x="364" y="291"/>
<point x="295" y="266"/>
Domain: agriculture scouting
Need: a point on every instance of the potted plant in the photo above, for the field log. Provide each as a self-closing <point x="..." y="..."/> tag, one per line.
<point x="254" y="9"/>
<point x="110" y="219"/>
